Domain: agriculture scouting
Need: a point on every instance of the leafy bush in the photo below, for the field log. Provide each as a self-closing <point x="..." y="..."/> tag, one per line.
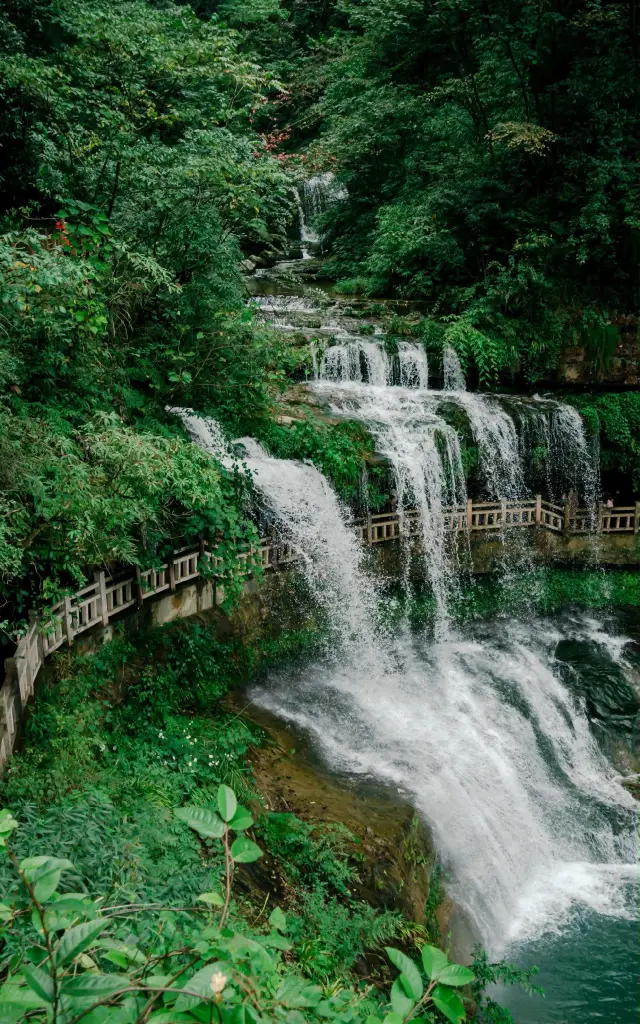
<point x="183" y="961"/>
<point x="320" y="854"/>
<point x="341" y="451"/>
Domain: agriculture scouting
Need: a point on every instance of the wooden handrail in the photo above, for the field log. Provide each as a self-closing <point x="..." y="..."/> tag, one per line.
<point x="98" y="602"/>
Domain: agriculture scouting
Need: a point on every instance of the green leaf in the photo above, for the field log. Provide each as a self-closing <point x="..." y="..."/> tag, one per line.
<point x="400" y="1002"/>
<point x="449" y="1003"/>
<point x="276" y="941"/>
<point x="373" y="1020"/>
<point x="393" y="1018"/>
<point x="125" y="953"/>
<point x="6" y="913"/>
<point x="40" y="981"/>
<point x="278" y="920"/>
<point x="227" y="803"/>
<point x="214" y="898"/>
<point x="241" y="820"/>
<point x="433" y="961"/>
<point x="170" y="1017"/>
<point x="95" y="986"/>
<point x="202" y="820"/>
<point x="456" y="975"/>
<point x="76" y="940"/>
<point x="44" y="874"/>
<point x="410" y="977"/>
<point x="243" y="851"/>
<point x="7" y="822"/>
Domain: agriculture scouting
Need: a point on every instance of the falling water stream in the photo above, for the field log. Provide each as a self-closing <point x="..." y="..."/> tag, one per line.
<point x="481" y="728"/>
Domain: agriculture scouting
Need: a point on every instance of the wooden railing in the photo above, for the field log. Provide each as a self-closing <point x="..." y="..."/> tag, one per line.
<point x="99" y="602"/>
<point x="483" y="516"/>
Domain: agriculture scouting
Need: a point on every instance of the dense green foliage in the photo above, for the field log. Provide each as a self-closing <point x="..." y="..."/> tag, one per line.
<point x="616" y="417"/>
<point x="489" y="152"/>
<point x="131" y="185"/>
<point x="188" y="964"/>
<point x="541" y="591"/>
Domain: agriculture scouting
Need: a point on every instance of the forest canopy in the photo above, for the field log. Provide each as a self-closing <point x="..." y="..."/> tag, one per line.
<point x="488" y="153"/>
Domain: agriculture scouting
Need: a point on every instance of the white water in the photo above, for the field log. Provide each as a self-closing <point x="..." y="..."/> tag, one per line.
<point x="424" y="453"/>
<point x="479" y="732"/>
<point x="482" y="736"/>
<point x="452" y="370"/>
<point x="313" y="197"/>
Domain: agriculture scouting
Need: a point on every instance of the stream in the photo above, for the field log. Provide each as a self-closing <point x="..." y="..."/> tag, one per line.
<point x="504" y="734"/>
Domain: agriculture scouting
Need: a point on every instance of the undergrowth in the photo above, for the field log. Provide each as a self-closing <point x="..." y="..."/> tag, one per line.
<point x="118" y="739"/>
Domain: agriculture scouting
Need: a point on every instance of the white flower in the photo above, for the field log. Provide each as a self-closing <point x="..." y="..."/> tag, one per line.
<point x="218" y="982"/>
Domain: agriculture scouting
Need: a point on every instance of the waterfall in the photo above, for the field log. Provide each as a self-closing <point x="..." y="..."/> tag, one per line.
<point x="309" y="515"/>
<point x="424" y="454"/>
<point x="489" y="745"/>
<point x="356" y="360"/>
<point x="414" y="368"/>
<point x="556" y="430"/>
<point x="312" y="198"/>
<point x="494" y="432"/>
<point x="308" y="237"/>
<point x="480" y="733"/>
<point x="452" y="371"/>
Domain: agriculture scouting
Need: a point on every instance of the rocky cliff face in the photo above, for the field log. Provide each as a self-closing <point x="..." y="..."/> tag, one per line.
<point x="621" y="368"/>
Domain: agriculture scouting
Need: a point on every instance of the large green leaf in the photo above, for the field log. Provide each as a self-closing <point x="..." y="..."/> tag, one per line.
<point x="95" y="986"/>
<point x="400" y="1002"/>
<point x="241" y="820"/>
<point x="204" y="821"/>
<point x="7" y="825"/>
<point x="243" y="851"/>
<point x="278" y="920"/>
<point x="40" y="981"/>
<point x="456" y="975"/>
<point x="76" y="940"/>
<point x="214" y="899"/>
<point x="449" y="1003"/>
<point x="227" y="803"/>
<point x="44" y="874"/>
<point x="433" y="961"/>
<point x="410" y="977"/>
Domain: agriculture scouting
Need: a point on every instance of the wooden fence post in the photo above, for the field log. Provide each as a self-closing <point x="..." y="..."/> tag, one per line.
<point x="68" y="621"/>
<point x="33" y="621"/>
<point x="636" y="524"/>
<point x="139" y="594"/>
<point x="469" y="514"/>
<point x="99" y="577"/>
<point x="566" y="525"/>
<point x="538" y="509"/>
<point x="503" y="512"/>
<point x="369" y="529"/>
<point x="172" y="574"/>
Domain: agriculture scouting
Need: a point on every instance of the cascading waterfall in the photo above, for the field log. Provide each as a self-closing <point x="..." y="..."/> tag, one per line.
<point x="308" y="515"/>
<point x="308" y="237"/>
<point x="556" y="430"/>
<point x="312" y="198"/>
<point x="480" y="732"/>
<point x="494" y="432"/>
<point x="452" y="371"/>
<point x="356" y="360"/>
<point x="424" y="453"/>
<point x="413" y="365"/>
<point x="486" y="741"/>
